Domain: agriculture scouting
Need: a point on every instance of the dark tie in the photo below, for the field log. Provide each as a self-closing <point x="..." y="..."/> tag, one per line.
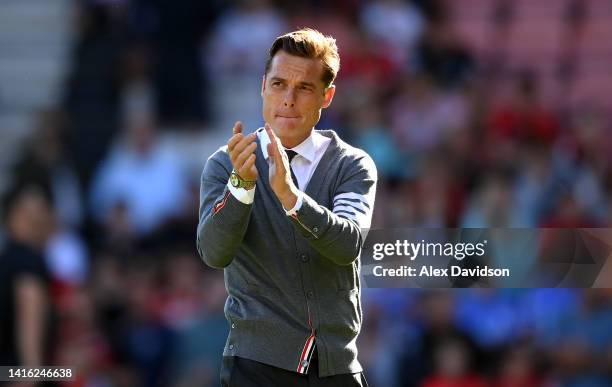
<point x="291" y="154"/>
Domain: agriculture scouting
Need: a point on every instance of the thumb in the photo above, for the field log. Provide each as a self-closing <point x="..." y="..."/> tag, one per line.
<point x="237" y="127"/>
<point x="274" y="145"/>
<point x="270" y="132"/>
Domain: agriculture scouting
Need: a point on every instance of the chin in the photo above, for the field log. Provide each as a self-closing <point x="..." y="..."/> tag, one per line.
<point x="288" y="134"/>
<point x="287" y="123"/>
<point x="284" y="129"/>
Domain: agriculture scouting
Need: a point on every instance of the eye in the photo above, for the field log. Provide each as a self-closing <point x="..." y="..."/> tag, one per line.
<point x="306" y="88"/>
<point x="276" y="83"/>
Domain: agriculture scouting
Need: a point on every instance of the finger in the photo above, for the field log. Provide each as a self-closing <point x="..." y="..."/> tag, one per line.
<point x="235" y="139"/>
<point x="249" y="164"/>
<point x="237" y="135"/>
<point x="245" y="154"/>
<point x="270" y="132"/>
<point x="275" y="143"/>
<point x="243" y="143"/>
<point x="237" y="127"/>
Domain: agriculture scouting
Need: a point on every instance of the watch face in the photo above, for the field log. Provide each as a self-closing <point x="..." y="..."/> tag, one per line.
<point x="234" y="180"/>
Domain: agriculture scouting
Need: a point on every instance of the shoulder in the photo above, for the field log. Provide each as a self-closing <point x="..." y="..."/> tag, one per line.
<point x="220" y="154"/>
<point x="218" y="162"/>
<point x="350" y="156"/>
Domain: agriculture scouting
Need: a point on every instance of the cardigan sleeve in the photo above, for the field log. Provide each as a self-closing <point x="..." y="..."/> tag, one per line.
<point x="339" y="234"/>
<point x="223" y="219"/>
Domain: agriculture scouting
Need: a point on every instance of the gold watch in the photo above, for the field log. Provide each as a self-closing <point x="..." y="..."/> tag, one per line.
<point x="238" y="182"/>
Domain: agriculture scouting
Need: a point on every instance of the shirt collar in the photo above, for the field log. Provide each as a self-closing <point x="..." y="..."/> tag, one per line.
<point x="306" y="148"/>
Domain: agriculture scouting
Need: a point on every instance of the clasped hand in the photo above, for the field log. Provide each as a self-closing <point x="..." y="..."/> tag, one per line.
<point x="242" y="149"/>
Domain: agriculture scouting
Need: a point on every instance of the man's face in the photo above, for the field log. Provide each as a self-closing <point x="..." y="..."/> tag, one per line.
<point x="293" y="95"/>
<point x="33" y="216"/>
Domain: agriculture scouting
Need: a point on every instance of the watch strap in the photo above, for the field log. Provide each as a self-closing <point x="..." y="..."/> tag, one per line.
<point x="242" y="183"/>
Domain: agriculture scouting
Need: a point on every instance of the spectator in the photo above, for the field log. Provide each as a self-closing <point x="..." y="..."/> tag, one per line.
<point x="92" y="89"/>
<point x="452" y="362"/>
<point x="581" y="350"/>
<point x="173" y="31"/>
<point x="518" y="369"/>
<point x="444" y="351"/>
<point x="491" y="204"/>
<point x="524" y="119"/>
<point x="141" y="177"/>
<point x="47" y="158"/>
<point x="236" y="50"/>
<point x="423" y="116"/>
<point x="443" y="56"/>
<point x="394" y="23"/>
<point x="25" y="306"/>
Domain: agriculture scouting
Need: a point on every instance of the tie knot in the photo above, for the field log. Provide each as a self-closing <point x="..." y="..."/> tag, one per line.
<point x="290" y="154"/>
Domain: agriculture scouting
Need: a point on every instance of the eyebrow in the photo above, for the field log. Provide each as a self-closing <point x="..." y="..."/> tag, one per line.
<point x="310" y="84"/>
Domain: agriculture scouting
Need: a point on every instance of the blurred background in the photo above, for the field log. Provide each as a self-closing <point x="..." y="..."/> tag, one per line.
<point x="478" y="113"/>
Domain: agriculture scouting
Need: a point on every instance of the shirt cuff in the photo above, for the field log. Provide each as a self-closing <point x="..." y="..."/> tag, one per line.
<point x="242" y="195"/>
<point x="298" y="205"/>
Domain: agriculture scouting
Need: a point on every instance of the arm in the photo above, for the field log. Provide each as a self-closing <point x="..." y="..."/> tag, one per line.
<point x="338" y="234"/>
<point x="223" y="218"/>
<point x="225" y="210"/>
<point x="30" y="305"/>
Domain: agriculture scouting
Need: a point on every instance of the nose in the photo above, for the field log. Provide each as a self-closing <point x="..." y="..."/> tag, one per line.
<point x="289" y="100"/>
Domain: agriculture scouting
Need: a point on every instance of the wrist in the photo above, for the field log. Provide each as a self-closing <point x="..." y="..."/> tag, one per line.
<point x="288" y="199"/>
<point x="238" y="182"/>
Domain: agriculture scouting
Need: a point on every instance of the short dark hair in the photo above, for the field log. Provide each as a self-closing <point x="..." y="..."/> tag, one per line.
<point x="309" y="43"/>
<point x="16" y="191"/>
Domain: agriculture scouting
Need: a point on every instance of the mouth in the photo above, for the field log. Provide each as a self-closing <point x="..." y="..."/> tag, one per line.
<point x="287" y="116"/>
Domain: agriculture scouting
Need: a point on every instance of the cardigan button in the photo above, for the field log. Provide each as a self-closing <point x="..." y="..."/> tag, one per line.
<point x="310" y="294"/>
<point x="304" y="258"/>
<point x="315" y="229"/>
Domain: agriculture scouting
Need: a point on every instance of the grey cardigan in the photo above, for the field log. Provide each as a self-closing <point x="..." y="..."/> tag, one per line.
<point x="290" y="277"/>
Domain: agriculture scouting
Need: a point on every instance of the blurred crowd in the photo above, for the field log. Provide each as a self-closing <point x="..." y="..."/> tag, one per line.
<point x="108" y="211"/>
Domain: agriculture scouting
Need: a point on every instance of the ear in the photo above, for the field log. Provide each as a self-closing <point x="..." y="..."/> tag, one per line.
<point x="329" y="96"/>
<point x="263" y="84"/>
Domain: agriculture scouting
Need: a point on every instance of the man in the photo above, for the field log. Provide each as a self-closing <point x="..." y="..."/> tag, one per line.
<point x="24" y="279"/>
<point x="140" y="179"/>
<point x="283" y="211"/>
